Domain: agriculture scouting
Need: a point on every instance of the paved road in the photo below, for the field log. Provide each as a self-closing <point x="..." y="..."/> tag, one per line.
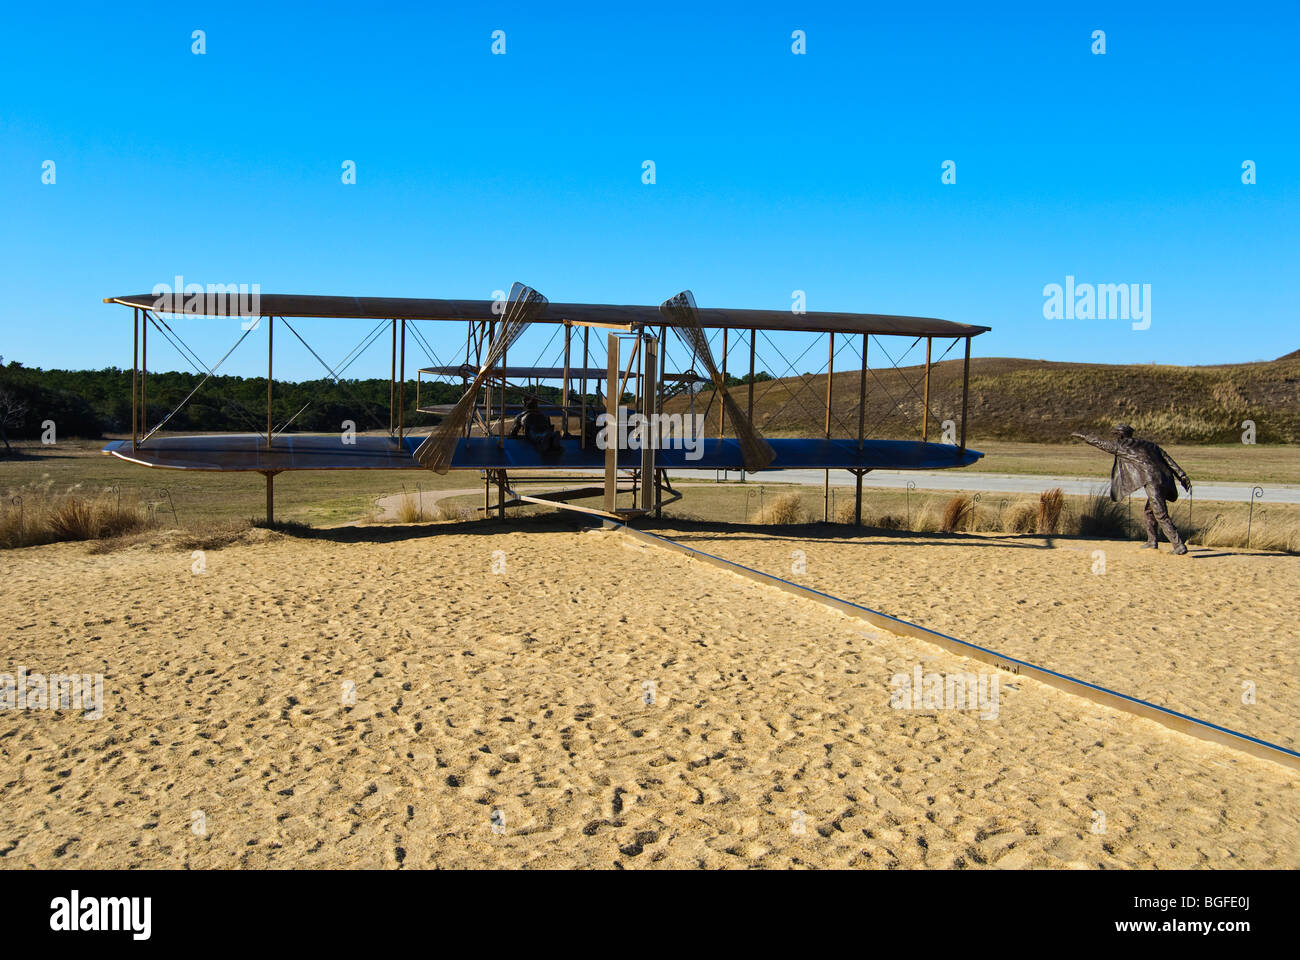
<point x="967" y="480"/>
<point x="971" y="481"/>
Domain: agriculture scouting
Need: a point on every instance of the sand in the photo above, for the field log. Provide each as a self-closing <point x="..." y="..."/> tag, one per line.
<point x="500" y="717"/>
<point x="1195" y="633"/>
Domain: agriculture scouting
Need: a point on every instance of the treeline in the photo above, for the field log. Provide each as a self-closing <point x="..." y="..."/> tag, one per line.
<point x="91" y="403"/>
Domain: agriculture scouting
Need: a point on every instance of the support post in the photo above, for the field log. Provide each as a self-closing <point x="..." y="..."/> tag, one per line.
<point x="392" y="379"/>
<point x="862" y="431"/>
<point x="582" y="414"/>
<point x="722" y="407"/>
<point x="135" y="386"/>
<point x="925" y="413"/>
<point x="501" y="430"/>
<point x="401" y="389"/>
<point x="749" y="410"/>
<point x="568" y="329"/>
<point x="830" y="377"/>
<point x="144" y="376"/>
<point x="611" y="426"/>
<point x="650" y="438"/>
<point x="487" y="385"/>
<point x="965" y="394"/>
<point x="662" y="364"/>
<point x="270" y="498"/>
<point x="270" y="348"/>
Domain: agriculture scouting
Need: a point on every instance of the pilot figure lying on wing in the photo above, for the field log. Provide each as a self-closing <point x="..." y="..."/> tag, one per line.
<point x="537" y="428"/>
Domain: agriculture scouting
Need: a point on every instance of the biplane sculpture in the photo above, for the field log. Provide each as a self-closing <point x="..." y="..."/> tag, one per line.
<point x="619" y="429"/>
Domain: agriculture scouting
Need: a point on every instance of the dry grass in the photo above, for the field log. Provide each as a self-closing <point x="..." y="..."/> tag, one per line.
<point x="410" y="509"/>
<point x="1020" y="517"/>
<point x="845" y="512"/>
<point x="1263" y="533"/>
<point x="446" y="510"/>
<point x="1103" y="517"/>
<point x="784" y="508"/>
<point x="958" y="514"/>
<point x="1051" y="505"/>
<point x="37" y="514"/>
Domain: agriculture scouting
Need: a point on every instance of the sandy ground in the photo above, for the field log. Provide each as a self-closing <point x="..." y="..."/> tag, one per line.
<point x="1195" y="633"/>
<point x="500" y="718"/>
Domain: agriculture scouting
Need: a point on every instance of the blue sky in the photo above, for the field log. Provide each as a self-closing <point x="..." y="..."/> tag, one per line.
<point x="774" y="172"/>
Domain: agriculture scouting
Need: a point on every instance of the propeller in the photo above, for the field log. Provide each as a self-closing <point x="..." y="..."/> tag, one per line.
<point x="682" y="315"/>
<point x="522" y="308"/>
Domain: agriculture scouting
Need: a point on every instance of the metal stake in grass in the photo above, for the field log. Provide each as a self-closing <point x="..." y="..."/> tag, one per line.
<point x="911" y="485"/>
<point x="1250" y="516"/>
<point x="163" y="492"/>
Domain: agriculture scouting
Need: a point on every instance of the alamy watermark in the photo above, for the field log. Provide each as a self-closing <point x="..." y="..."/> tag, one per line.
<point x="1098" y="301"/>
<point x="658" y="431"/>
<point x="55" y="691"/>
<point x="954" y="691"/>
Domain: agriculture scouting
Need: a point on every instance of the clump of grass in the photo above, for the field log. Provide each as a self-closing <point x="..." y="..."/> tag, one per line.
<point x="846" y="512"/>
<point x="1020" y="517"/>
<point x="1103" y="517"/>
<point x="1051" y="506"/>
<point x="926" y="519"/>
<point x="958" y="514"/>
<point x="785" y="508"/>
<point x="36" y="514"/>
<point x="410" y="509"/>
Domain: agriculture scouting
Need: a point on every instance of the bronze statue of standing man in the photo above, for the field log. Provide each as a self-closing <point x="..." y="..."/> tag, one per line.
<point x="1142" y="464"/>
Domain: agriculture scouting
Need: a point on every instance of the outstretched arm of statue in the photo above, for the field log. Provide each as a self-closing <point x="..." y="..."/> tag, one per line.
<point x="1101" y="443"/>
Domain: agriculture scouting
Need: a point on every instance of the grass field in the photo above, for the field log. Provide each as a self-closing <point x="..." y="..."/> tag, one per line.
<point x="321" y="497"/>
<point x="327" y="498"/>
<point x="1233" y="463"/>
<point x="1274" y="526"/>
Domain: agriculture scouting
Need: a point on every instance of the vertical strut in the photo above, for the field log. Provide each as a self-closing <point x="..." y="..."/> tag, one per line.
<point x="270" y="344"/>
<point x="830" y="377"/>
<point x="965" y="394"/>
<point x="401" y="389"/>
<point x="611" y="425"/>
<point x="650" y="435"/>
<point x="135" y="386"/>
<point x="925" y="413"/>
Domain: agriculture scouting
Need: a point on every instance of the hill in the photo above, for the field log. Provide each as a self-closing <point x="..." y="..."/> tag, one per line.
<point x="1039" y="401"/>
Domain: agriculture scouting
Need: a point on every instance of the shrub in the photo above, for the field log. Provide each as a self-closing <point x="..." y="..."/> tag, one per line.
<point x="1051" y="504"/>
<point x="785" y="508"/>
<point x="1103" y="517"/>
<point x="1020" y="517"/>
<point x="411" y="509"/>
<point x="957" y="514"/>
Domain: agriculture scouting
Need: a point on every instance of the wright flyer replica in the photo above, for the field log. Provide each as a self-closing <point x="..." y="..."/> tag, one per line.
<point x="621" y="428"/>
